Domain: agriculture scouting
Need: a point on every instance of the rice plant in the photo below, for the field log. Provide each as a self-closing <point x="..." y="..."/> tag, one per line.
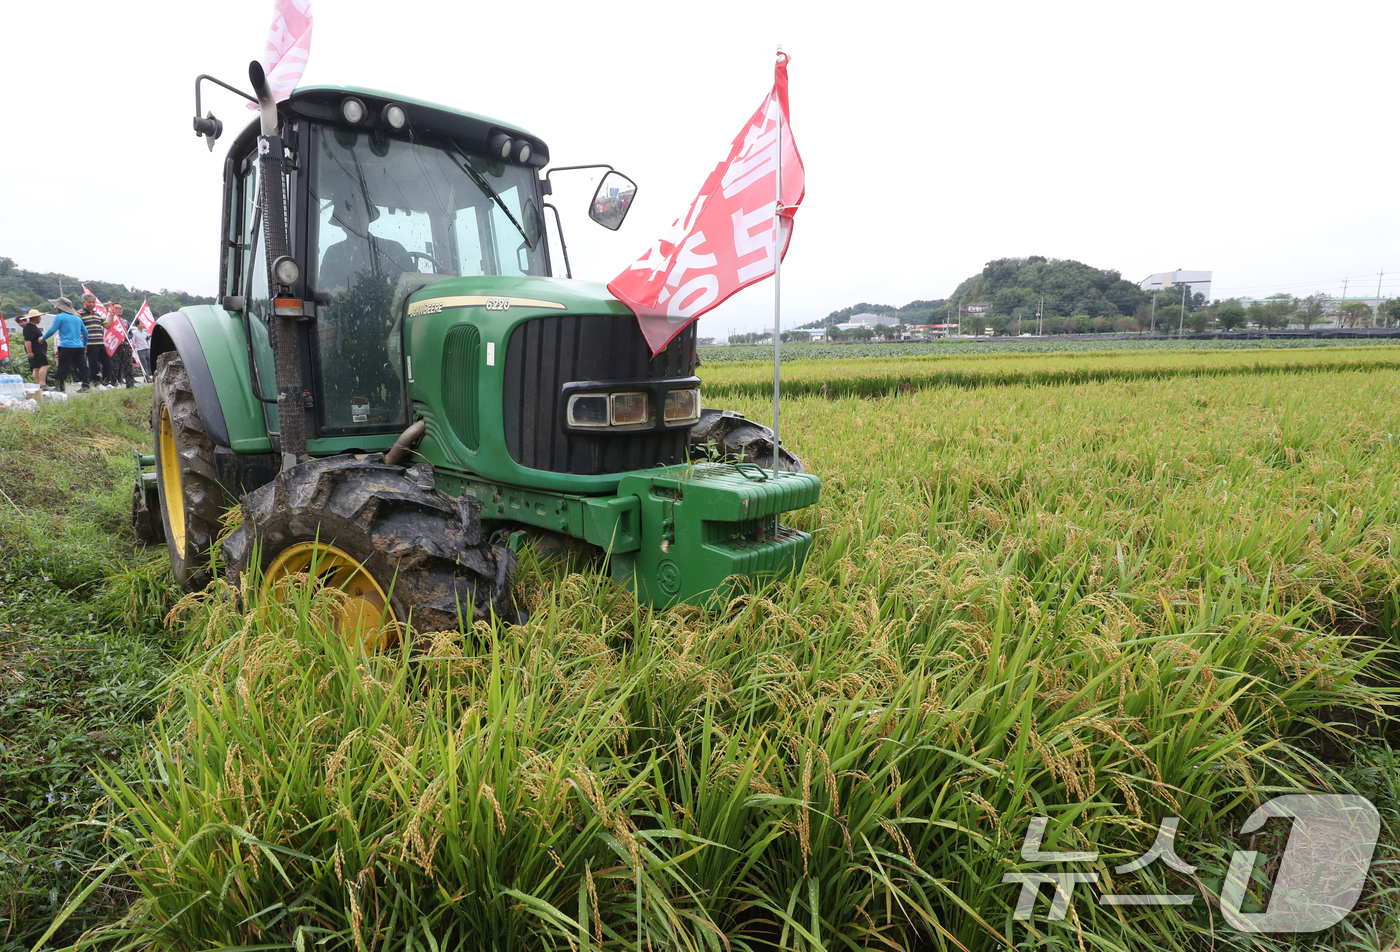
<point x="1102" y="603"/>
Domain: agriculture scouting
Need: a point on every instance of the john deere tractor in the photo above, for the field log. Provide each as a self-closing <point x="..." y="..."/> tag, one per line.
<point x="400" y="392"/>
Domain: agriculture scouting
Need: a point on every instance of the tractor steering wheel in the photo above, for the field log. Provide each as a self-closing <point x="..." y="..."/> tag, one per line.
<point x="437" y="268"/>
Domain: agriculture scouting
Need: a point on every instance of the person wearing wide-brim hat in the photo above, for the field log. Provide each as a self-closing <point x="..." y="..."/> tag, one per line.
<point x="34" y="347"/>
<point x="72" y="343"/>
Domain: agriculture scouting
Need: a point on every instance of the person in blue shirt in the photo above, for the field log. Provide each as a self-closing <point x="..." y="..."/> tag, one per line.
<point x="72" y="343"/>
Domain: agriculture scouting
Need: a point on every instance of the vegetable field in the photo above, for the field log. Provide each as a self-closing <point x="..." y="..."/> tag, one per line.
<point x="955" y="347"/>
<point x="1103" y="589"/>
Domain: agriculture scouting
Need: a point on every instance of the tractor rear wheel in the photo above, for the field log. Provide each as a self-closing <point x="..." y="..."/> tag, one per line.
<point x="400" y="549"/>
<point x="191" y="499"/>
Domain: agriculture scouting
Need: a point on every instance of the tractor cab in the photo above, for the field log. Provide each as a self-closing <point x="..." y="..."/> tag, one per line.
<point x="377" y="211"/>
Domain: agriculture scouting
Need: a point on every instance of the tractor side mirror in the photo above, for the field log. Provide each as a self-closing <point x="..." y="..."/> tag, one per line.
<point x="612" y="200"/>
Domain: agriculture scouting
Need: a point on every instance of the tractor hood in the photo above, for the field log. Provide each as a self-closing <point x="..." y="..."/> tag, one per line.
<point x="496" y="293"/>
<point x="492" y="362"/>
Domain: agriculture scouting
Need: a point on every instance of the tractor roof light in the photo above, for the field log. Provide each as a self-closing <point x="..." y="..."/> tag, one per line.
<point x="522" y="152"/>
<point x="501" y="144"/>
<point x="286" y="270"/>
<point x="393" y="116"/>
<point x="353" y="110"/>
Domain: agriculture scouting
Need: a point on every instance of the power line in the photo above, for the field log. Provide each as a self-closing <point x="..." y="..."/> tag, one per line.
<point x="1298" y="284"/>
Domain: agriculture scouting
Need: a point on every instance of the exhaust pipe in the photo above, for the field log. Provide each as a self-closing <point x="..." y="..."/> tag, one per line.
<point x="291" y="412"/>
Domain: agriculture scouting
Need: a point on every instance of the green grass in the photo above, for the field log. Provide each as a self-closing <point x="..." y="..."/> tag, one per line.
<point x="1107" y="603"/>
<point x="81" y="649"/>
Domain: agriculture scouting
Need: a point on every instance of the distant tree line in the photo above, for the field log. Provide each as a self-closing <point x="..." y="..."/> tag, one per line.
<point x="1075" y="298"/>
<point x="758" y="338"/>
<point x="23" y="290"/>
<point x="915" y="312"/>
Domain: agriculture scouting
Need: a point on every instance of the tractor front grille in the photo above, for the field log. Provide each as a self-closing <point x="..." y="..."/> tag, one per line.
<point x="545" y="353"/>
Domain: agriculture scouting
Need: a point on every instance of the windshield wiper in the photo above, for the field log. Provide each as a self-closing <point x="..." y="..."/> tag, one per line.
<point x="466" y="166"/>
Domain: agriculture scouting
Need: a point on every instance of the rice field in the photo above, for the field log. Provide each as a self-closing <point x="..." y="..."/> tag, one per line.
<point x="1167" y="591"/>
<point x="963" y="346"/>
<point x="879" y="376"/>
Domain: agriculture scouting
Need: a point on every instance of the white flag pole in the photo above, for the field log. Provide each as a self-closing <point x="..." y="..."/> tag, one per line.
<point x="777" y="273"/>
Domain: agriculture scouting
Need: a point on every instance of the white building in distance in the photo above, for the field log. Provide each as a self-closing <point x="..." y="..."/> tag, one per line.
<point x="1199" y="281"/>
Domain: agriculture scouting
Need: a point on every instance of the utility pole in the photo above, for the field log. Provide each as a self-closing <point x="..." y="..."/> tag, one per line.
<point x="1182" y="324"/>
<point x="1344" y="299"/>
<point x="1376" y="315"/>
<point x="1154" y="311"/>
<point x="1040" y="318"/>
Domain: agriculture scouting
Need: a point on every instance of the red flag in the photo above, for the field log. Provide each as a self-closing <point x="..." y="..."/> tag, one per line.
<point x="288" y="47"/>
<point x="725" y="241"/>
<point x="145" y="318"/>
<point x="113" y="336"/>
<point x="4" y="339"/>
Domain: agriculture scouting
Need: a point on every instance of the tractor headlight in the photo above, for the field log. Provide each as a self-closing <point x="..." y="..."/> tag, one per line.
<point x="683" y="406"/>
<point x="630" y="409"/>
<point x="588" y="409"/>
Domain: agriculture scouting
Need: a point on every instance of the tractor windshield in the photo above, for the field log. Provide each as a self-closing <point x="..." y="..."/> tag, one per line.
<point x="385" y="216"/>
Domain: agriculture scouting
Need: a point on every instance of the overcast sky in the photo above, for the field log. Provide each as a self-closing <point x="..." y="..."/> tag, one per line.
<point x="1257" y="140"/>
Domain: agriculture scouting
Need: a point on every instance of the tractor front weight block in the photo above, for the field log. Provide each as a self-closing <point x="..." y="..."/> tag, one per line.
<point x="705" y="523"/>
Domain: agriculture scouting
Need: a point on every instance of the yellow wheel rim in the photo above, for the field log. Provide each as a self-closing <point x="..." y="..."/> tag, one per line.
<point x="363" y="615"/>
<point x="170" y="482"/>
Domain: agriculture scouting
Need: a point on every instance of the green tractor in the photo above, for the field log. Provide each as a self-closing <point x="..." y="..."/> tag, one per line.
<point x="400" y="392"/>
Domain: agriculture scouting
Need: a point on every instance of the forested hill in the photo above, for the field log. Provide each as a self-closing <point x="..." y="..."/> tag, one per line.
<point x="23" y="289"/>
<point x="915" y="312"/>
<point x="1069" y="287"/>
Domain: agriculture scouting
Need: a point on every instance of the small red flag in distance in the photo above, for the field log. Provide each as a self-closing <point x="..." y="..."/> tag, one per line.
<point x="145" y="318"/>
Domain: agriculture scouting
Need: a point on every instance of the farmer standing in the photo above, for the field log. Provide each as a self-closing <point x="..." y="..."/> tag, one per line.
<point x="141" y="342"/>
<point x="72" y="343"/>
<point x="34" y="346"/>
<point x="122" y="355"/>
<point x="98" y="362"/>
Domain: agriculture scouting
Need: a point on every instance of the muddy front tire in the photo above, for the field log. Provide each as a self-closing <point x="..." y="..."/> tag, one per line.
<point x="191" y="499"/>
<point x="729" y="437"/>
<point x="382" y="534"/>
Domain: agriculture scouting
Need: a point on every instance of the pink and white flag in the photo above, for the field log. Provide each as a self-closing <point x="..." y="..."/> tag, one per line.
<point x="113" y="336"/>
<point x="288" y="47"/>
<point x="726" y="239"/>
<point x="145" y="318"/>
<point x="99" y="308"/>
